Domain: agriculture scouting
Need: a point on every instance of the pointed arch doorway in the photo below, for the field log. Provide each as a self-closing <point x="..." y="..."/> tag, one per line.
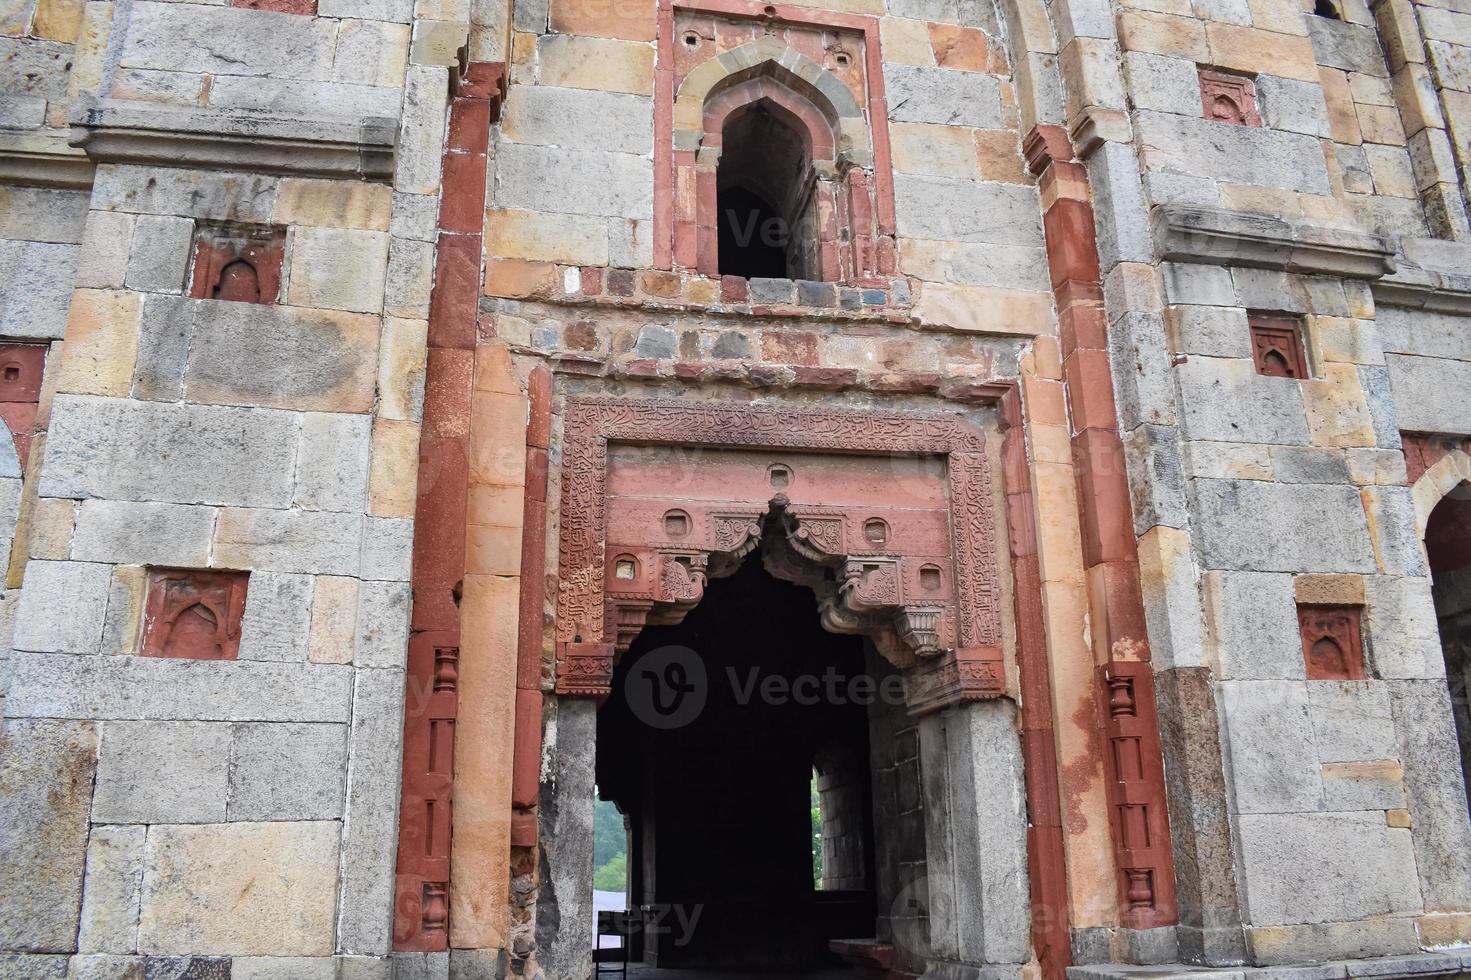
<point x="885" y="526"/>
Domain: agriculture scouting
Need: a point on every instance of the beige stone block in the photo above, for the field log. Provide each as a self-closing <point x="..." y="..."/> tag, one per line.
<point x="333" y="628"/>
<point x="86" y="74"/>
<point x="1381" y="124"/>
<point x="1328" y="590"/>
<point x="495" y="372"/>
<point x="1229" y="461"/>
<point x="1346" y="339"/>
<point x="1249" y="49"/>
<point x="1391" y="169"/>
<point x="1397" y="817"/>
<point x="906" y="42"/>
<point x="401" y="361"/>
<point x="518" y="279"/>
<point x="121" y="631"/>
<point x="1377" y="467"/>
<point x="567" y="238"/>
<point x="1275" y="15"/>
<point x="960" y="48"/>
<point x="492" y="549"/>
<point x="1177" y="8"/>
<point x="498" y="439"/>
<point x="239" y="889"/>
<point x="1414" y="93"/>
<point x="101" y="343"/>
<point x="1178" y="37"/>
<point x="52" y="521"/>
<point x="15" y="17"/>
<point x="982" y="309"/>
<point x="333" y="203"/>
<point x="927" y="148"/>
<point x="1370" y="89"/>
<point x="480" y="849"/>
<point x="371" y="52"/>
<point x="1338" y="414"/>
<point x="1442" y="930"/>
<point x="595" y="63"/>
<point x="338" y="269"/>
<point x="1343" y="120"/>
<point x="59" y="20"/>
<point x="630" y="20"/>
<point x="394" y="471"/>
<point x="998" y="152"/>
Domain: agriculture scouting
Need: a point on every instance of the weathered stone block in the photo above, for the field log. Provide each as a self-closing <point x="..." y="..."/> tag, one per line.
<point x="403" y="351"/>
<point x="382" y="624"/>
<point x="1326" y="867"/>
<point x="1404" y="637"/>
<point x="114" y="882"/>
<point x="334" y="620"/>
<point x="283" y="968"/>
<point x="104" y="966"/>
<point x="417" y="166"/>
<point x="1162" y="83"/>
<point x="1352" y="721"/>
<point x="1213" y="391"/>
<point x="332" y="465"/>
<point x="1012" y="266"/>
<point x="592" y="182"/>
<point x="175" y="453"/>
<point x="227" y="41"/>
<point x="388" y="548"/>
<point x="160" y="254"/>
<point x="1253" y="619"/>
<point x="1431" y="758"/>
<point x="1426" y="393"/>
<point x="338" y="269"/>
<point x="162" y="772"/>
<point x="943" y="209"/>
<point x="1273" y="761"/>
<point x="1350" y="47"/>
<point x="315" y="542"/>
<point x="277" y="617"/>
<point x="333" y="203"/>
<point x="1214" y="331"/>
<point x="46" y="772"/>
<point x="570" y="239"/>
<point x="409" y="279"/>
<point x="198" y="194"/>
<point x="150" y="688"/>
<point x="415" y="216"/>
<point x="1287" y="528"/>
<point x="131" y="533"/>
<point x="376" y="740"/>
<point x="62" y="607"/>
<point x="287" y="772"/>
<point x="1240" y="154"/>
<point x="103" y="261"/>
<point x="1293" y="106"/>
<point x="164" y="330"/>
<point x="1375" y="785"/>
<point x="36" y="288"/>
<point x="591" y="120"/>
<point x="940" y="95"/>
<point x="595" y="63"/>
<point x="240" y="888"/>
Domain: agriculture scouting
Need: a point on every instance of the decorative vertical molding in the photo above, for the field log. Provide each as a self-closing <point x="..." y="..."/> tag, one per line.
<point x="1047" y="869"/>
<point x="421" y="899"/>
<point x="1127" y="715"/>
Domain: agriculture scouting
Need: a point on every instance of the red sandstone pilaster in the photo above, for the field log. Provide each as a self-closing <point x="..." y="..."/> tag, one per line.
<point x="1126" y="707"/>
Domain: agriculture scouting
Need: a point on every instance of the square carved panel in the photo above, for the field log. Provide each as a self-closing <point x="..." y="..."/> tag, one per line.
<point x="237" y="263"/>
<point x="1276" y="345"/>
<point x="1332" y="644"/>
<point x="1228" y="98"/>
<point x="193" y="614"/>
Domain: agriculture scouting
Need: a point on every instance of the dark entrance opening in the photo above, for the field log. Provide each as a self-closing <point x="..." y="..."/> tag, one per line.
<point x="764" y="195"/>
<point x="719" y="799"/>
<point x="1448" y="547"/>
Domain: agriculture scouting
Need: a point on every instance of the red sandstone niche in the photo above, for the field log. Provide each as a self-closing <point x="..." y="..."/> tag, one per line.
<point x="238" y="264"/>
<point x="193" y="614"/>
<point x="1228" y="98"/>
<point x="1332" y="644"/>
<point x="22" y="368"/>
<point x="1276" y="345"/>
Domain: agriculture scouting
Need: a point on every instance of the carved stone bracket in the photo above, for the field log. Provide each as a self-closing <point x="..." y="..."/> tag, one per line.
<point x="908" y="559"/>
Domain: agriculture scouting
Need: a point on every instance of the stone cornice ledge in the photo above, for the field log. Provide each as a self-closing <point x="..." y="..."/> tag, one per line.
<point x="1434" y="275"/>
<point x="1185" y="233"/>
<point x="42" y="158"/>
<point x="235" y="139"/>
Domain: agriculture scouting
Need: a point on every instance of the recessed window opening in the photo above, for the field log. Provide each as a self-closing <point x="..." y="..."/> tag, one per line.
<point x="765" y="198"/>
<point x="1324" y="8"/>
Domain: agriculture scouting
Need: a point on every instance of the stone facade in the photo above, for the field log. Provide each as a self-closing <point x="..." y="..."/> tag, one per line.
<point x="318" y="319"/>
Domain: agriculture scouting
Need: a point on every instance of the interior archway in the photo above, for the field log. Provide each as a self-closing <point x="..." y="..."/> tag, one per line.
<point x="764" y="194"/>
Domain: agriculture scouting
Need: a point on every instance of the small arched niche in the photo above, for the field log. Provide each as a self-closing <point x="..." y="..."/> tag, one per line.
<point x="765" y="196"/>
